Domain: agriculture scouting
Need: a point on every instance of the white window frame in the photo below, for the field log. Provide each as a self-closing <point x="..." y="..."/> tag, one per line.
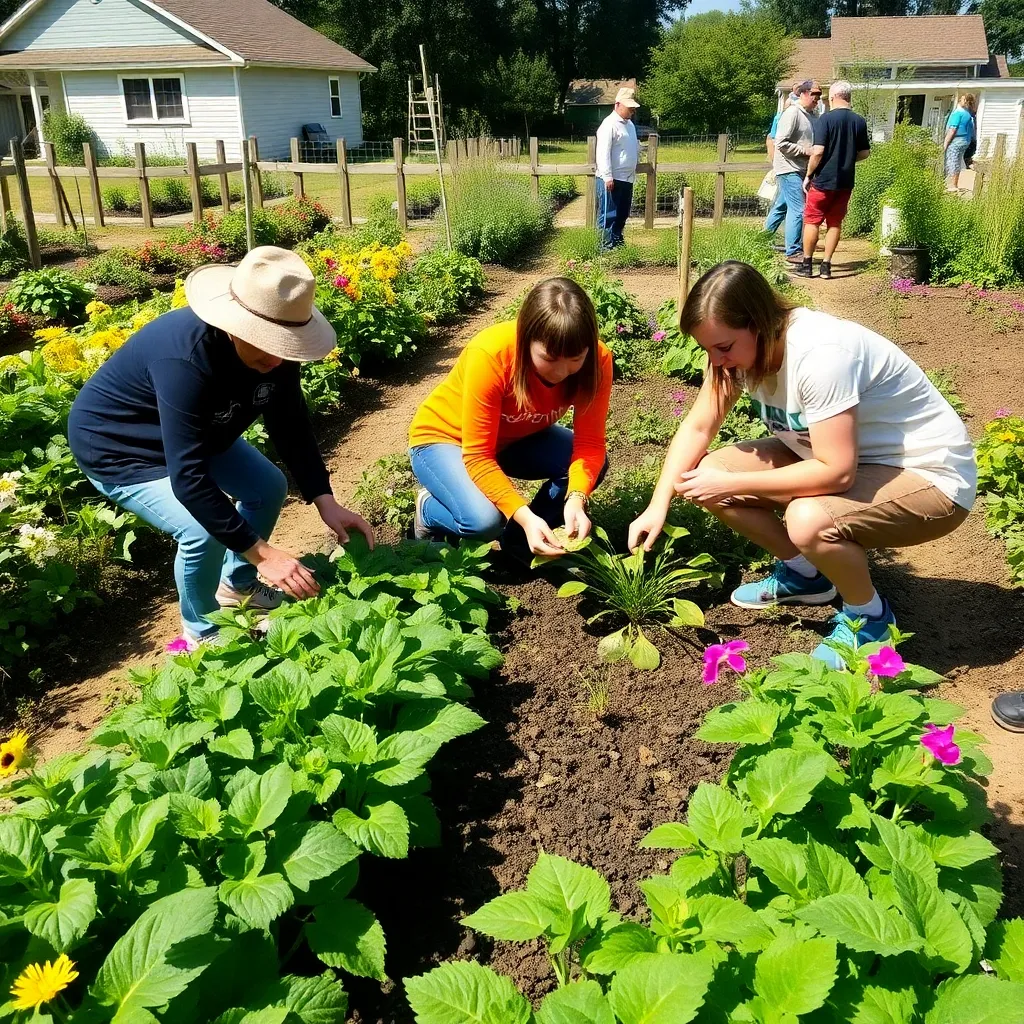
<point x="184" y="120"/>
<point x="331" y="79"/>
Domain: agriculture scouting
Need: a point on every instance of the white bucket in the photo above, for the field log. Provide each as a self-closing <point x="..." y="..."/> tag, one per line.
<point x="891" y="223"/>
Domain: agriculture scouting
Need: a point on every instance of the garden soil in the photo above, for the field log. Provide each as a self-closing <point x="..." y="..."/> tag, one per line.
<point x="583" y="760"/>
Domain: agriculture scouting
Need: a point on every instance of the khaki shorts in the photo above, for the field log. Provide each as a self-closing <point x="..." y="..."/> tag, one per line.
<point x="887" y="507"/>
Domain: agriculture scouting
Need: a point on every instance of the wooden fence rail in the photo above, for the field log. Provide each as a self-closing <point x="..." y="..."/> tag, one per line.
<point x="513" y="156"/>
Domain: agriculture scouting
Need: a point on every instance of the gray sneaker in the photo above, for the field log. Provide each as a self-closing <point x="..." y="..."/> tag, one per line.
<point x="259" y="598"/>
<point x="420" y="530"/>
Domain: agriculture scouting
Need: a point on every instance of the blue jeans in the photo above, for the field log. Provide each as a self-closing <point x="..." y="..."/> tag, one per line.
<point x="458" y="508"/>
<point x="612" y="210"/>
<point x="791" y="192"/>
<point x="777" y="213"/>
<point x="258" y="488"/>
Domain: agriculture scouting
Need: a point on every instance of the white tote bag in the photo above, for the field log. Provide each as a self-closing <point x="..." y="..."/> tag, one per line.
<point x="769" y="188"/>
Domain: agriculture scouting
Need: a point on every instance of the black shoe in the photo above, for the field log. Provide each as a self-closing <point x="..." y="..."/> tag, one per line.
<point x="804" y="269"/>
<point x="1008" y="711"/>
<point x="825" y="270"/>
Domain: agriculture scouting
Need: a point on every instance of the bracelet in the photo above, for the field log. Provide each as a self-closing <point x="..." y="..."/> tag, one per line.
<point x="585" y="498"/>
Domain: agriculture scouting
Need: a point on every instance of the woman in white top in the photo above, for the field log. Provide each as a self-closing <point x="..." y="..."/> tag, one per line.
<point x="865" y="452"/>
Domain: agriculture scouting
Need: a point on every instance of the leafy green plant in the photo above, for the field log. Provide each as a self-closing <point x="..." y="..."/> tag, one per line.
<point x="558" y="189"/>
<point x="683" y="357"/>
<point x="444" y="282"/>
<point x="121" y="267"/>
<point x="647" y="424"/>
<point x="386" y="495"/>
<point x="742" y="424"/>
<point x="67" y="132"/>
<point x="50" y="293"/>
<point x="13" y="248"/>
<point x="837" y="873"/>
<point x="642" y="588"/>
<point x="1000" y="455"/>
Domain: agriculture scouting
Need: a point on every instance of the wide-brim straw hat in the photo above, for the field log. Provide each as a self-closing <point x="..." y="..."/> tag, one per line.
<point x="267" y="300"/>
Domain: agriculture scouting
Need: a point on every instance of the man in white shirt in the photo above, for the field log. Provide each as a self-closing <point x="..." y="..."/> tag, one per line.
<point x="617" y="154"/>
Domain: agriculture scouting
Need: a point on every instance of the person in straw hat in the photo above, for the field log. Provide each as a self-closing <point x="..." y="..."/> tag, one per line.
<point x="617" y="154"/>
<point x="158" y="430"/>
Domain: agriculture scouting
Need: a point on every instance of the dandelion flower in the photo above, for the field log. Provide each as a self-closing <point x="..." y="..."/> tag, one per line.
<point x="14" y="753"/>
<point x="41" y="983"/>
<point x="728" y="654"/>
<point x="940" y="743"/>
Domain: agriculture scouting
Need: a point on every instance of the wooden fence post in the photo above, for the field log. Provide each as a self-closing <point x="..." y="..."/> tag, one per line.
<point x="723" y="154"/>
<point x="5" y="202"/>
<point x="686" y="244"/>
<point x="403" y="214"/>
<point x="299" y="187"/>
<point x="651" y="193"/>
<point x="194" y="186"/>
<point x="51" y="166"/>
<point x="344" y="184"/>
<point x="18" y="156"/>
<point x="534" y="164"/>
<point x="250" y="239"/>
<point x="225" y="187"/>
<point x="1000" y="150"/>
<point x="144" y="197"/>
<point x="94" y="184"/>
<point x="591" y="190"/>
<point x="257" y="180"/>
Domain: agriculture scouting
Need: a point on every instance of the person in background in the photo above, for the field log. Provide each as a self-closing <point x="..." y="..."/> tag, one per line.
<point x="959" y="135"/>
<point x="865" y="452"/>
<point x="496" y="416"/>
<point x="618" y="153"/>
<point x="777" y="212"/>
<point x="793" y="140"/>
<point x="158" y="429"/>
<point x="840" y="140"/>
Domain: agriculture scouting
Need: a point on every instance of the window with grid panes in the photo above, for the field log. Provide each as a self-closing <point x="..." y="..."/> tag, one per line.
<point x="137" y="99"/>
<point x="168" y="101"/>
<point x="335" y="97"/>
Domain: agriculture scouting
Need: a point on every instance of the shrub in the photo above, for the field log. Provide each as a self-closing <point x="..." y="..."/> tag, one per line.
<point x="11" y="320"/>
<point x="381" y="224"/>
<point x="229" y="232"/>
<point x="386" y="495"/>
<point x="558" y="189"/>
<point x="54" y="294"/>
<point x="683" y="357"/>
<point x="68" y="133"/>
<point x="423" y="196"/>
<point x="13" y="248"/>
<point x="120" y="267"/>
<point x="443" y="282"/>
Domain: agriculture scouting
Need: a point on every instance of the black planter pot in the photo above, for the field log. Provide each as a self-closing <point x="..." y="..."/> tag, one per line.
<point x="910" y="262"/>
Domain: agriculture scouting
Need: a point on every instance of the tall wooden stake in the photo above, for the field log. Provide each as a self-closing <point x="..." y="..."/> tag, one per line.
<point x="685" y="245"/>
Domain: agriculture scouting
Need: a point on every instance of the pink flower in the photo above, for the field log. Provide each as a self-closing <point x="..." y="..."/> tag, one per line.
<point x="982" y="294"/>
<point x="886" y="663"/>
<point x="1003" y="412"/>
<point x="659" y="336"/>
<point x="570" y="264"/>
<point x="677" y="396"/>
<point x="341" y="281"/>
<point x="903" y="285"/>
<point x="727" y="654"/>
<point x="940" y="743"/>
<point x="620" y="328"/>
<point x="330" y="264"/>
<point x="1017" y="307"/>
<point x="181" y="645"/>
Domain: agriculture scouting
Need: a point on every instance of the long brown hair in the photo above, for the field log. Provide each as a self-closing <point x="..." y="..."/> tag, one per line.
<point x="735" y="294"/>
<point x="558" y="313"/>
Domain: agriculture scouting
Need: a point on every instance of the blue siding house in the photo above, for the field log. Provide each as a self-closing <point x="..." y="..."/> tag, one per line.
<point x="177" y="71"/>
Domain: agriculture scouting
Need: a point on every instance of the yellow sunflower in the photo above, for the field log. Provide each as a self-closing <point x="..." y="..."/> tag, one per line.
<point x="14" y="754"/>
<point x="41" y="983"/>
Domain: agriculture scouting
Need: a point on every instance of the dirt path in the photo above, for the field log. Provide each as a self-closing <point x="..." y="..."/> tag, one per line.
<point x="96" y="657"/>
<point x="953" y="593"/>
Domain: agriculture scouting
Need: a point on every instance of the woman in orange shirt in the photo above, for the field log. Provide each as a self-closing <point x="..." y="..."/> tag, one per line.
<point x="496" y="416"/>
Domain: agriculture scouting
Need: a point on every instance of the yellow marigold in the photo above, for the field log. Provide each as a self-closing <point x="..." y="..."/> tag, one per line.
<point x="178" y="300"/>
<point x="403" y="250"/>
<point x="333" y="356"/>
<point x="50" y="333"/>
<point x="41" y="983"/>
<point x="1006" y="435"/>
<point x="96" y="309"/>
<point x="327" y="254"/>
<point x="111" y="339"/>
<point x="63" y="355"/>
<point x="14" y="753"/>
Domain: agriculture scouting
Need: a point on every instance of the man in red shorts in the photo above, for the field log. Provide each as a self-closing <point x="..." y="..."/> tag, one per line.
<point x="840" y="140"/>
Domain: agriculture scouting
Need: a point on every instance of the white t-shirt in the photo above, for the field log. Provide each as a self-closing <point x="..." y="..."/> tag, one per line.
<point x="832" y="365"/>
<point x="617" y="149"/>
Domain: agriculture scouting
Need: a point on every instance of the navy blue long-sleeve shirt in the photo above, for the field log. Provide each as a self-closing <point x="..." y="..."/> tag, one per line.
<point x="177" y="394"/>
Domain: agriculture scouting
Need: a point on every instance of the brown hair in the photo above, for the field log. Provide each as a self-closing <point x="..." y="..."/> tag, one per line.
<point x="969" y="102"/>
<point x="558" y="313"/>
<point x="735" y="294"/>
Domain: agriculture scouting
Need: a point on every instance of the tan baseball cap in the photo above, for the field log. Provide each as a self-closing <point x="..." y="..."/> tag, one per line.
<point x="626" y="97"/>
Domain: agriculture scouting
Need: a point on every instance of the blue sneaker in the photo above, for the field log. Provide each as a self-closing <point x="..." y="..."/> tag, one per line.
<point x="783" y="586"/>
<point x="872" y="631"/>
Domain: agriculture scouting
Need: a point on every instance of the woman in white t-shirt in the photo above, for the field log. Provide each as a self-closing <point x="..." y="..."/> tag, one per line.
<point x="865" y="452"/>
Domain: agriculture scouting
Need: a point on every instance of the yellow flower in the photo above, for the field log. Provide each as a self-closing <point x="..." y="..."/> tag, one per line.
<point x="403" y="250"/>
<point x="143" y="317"/>
<point x="327" y="254"/>
<point x="51" y="333"/>
<point x="63" y="355"/>
<point x="111" y="339"/>
<point x="41" y="983"/>
<point x="178" y="300"/>
<point x="96" y="309"/>
<point x="1006" y="435"/>
<point x="14" y="753"/>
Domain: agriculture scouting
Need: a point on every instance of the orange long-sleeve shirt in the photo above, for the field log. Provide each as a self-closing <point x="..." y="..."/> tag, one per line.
<point x="475" y="407"/>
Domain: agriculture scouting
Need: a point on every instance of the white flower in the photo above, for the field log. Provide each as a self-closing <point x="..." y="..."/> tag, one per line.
<point x="8" y="489"/>
<point x="37" y="542"/>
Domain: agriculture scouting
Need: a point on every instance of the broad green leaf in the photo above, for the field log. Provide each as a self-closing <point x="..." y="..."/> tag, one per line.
<point x="716" y="817"/>
<point x="861" y="924"/>
<point x="259" y="899"/>
<point x="464" y="992"/>
<point x="582" y="1002"/>
<point x="133" y="832"/>
<point x="977" y="999"/>
<point x="829" y="872"/>
<point x="63" y="923"/>
<point x="956" y="848"/>
<point x="215" y="701"/>
<point x="513" y="916"/>
<point x="932" y="916"/>
<point x="890" y="1003"/>
<point x="686" y="613"/>
<point x="314" y="1000"/>
<point x="1005" y="949"/>
<point x="345" y="934"/>
<point x="980" y="883"/>
<point x="347" y="740"/>
<point x="402" y="757"/>
<point x="796" y="975"/>
<point x="752" y="722"/>
<point x="310" y="851"/>
<point x="260" y="801"/>
<point x="564" y="887"/>
<point x="193" y="778"/>
<point x="783" y="862"/>
<point x="239" y="1015"/>
<point x="384" y="831"/>
<point x="243" y="860"/>
<point x="662" y="989"/>
<point x="905" y="767"/>
<point x="730" y="922"/>
<point x="571" y="588"/>
<point x="21" y="846"/>
<point x="619" y="948"/>
<point x="667" y="900"/>
<point x="195" y="818"/>
<point x="237" y="744"/>
<point x="693" y="868"/>
<point x="898" y="845"/>
<point x="673" y="835"/>
<point x="782" y="781"/>
<point x="642" y="653"/>
<point x="160" y="954"/>
<point x="439" y="720"/>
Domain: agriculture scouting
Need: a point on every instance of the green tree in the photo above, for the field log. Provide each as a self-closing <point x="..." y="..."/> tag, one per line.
<point x="522" y="91"/>
<point x="717" y="71"/>
<point x="1004" y="25"/>
<point x="811" y="18"/>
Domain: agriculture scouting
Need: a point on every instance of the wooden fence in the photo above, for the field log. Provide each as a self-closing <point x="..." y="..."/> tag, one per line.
<point x="509" y="152"/>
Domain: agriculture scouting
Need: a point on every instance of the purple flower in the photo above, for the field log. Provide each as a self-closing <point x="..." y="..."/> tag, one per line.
<point x="652" y="321"/>
<point x="1017" y="307"/>
<point x="677" y="396"/>
<point x="659" y="336"/>
<point x="903" y="285"/>
<point x="180" y="645"/>
<point x="727" y="654"/>
<point x="940" y="743"/>
<point x="1003" y="412"/>
<point x="620" y="328"/>
<point x="886" y="663"/>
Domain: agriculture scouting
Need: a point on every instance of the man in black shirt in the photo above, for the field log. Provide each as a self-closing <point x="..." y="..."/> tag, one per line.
<point x="158" y="430"/>
<point x="840" y="140"/>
